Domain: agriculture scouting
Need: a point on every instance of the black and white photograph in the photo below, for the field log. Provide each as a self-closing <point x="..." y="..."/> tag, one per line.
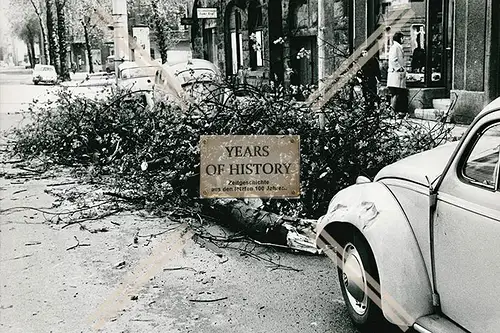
<point x="249" y="166"/>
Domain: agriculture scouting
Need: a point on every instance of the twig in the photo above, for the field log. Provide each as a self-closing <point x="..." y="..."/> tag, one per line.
<point x="277" y="265"/>
<point x="20" y="257"/>
<point x="19" y="191"/>
<point x="179" y="268"/>
<point x="98" y="217"/>
<point x="60" y="184"/>
<point x="208" y="300"/>
<point x="43" y="210"/>
<point x="160" y="233"/>
<point x="77" y="245"/>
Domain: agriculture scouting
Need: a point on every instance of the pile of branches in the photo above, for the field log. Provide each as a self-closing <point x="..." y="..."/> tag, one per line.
<point x="151" y="155"/>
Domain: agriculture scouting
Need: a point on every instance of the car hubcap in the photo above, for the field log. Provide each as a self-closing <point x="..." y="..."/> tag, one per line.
<point x="354" y="279"/>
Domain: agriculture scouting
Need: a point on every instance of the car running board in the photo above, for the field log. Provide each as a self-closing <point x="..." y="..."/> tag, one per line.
<point x="435" y="323"/>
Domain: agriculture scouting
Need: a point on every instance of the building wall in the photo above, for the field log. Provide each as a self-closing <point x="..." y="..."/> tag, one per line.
<point x="348" y="23"/>
<point x="475" y="55"/>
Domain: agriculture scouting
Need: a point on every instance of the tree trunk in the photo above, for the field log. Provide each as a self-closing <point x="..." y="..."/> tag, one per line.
<point x="284" y="231"/>
<point x="44" y="36"/>
<point x="30" y="55"/>
<point x="161" y="32"/>
<point x="33" y="55"/>
<point x="52" y="36"/>
<point x="30" y="43"/>
<point x="63" y="43"/>
<point x="87" y="45"/>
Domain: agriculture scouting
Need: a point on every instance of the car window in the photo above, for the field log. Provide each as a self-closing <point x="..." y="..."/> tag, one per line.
<point x="482" y="165"/>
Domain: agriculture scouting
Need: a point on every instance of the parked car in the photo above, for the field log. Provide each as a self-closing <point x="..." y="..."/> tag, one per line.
<point x="99" y="79"/>
<point x="197" y="78"/>
<point x="44" y="74"/>
<point x="419" y="246"/>
<point x="135" y="77"/>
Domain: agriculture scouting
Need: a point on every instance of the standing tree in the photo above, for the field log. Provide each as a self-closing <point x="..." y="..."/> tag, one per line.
<point x="162" y="17"/>
<point x="24" y="24"/>
<point x="38" y="13"/>
<point x="29" y="32"/>
<point x="52" y="35"/>
<point x="63" y="42"/>
<point x="84" y="19"/>
<point x="86" y="23"/>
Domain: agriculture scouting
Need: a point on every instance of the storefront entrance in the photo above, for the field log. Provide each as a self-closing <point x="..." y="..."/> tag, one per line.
<point x="428" y="39"/>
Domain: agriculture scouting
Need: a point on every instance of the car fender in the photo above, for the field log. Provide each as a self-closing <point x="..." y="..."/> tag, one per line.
<point x="406" y="292"/>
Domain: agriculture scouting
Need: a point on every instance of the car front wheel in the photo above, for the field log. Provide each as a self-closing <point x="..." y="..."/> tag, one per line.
<point x="357" y="272"/>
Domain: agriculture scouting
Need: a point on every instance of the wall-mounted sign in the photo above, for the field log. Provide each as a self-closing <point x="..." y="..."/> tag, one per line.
<point x="238" y="166"/>
<point x="206" y="13"/>
<point x="186" y="20"/>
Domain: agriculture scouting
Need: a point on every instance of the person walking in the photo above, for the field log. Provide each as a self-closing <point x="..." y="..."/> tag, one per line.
<point x="370" y="77"/>
<point x="396" y="77"/>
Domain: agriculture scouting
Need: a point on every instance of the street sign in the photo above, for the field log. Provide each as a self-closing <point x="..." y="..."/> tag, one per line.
<point x="206" y="13"/>
<point x="186" y="20"/>
<point x="243" y="166"/>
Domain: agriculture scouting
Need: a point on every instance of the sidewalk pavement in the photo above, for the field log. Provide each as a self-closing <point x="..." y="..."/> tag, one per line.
<point x="78" y="76"/>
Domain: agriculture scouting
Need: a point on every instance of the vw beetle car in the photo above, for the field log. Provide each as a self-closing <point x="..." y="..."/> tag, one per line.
<point x="44" y="74"/>
<point x="420" y="245"/>
<point x="135" y="77"/>
<point x="197" y="78"/>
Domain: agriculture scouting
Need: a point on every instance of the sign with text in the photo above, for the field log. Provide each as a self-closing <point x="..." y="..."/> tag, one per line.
<point x="242" y="166"/>
<point x="186" y="20"/>
<point x="206" y="13"/>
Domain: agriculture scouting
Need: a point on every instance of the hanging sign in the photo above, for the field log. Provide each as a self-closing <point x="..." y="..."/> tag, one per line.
<point x="206" y="13"/>
<point x="186" y="20"/>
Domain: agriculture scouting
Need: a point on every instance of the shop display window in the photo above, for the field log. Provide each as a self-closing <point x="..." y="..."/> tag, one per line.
<point x="423" y="39"/>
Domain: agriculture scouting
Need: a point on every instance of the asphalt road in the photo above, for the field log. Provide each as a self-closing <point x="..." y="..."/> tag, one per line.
<point x="45" y="286"/>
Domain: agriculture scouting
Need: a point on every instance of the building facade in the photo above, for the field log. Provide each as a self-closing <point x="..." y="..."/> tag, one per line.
<point x="451" y="46"/>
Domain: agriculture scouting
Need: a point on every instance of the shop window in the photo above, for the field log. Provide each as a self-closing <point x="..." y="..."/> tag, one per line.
<point x="423" y="43"/>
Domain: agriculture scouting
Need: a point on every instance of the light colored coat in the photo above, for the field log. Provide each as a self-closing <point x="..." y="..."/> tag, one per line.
<point x="396" y="62"/>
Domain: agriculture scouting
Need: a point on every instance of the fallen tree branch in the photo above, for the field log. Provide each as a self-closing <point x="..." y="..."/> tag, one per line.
<point x="265" y="228"/>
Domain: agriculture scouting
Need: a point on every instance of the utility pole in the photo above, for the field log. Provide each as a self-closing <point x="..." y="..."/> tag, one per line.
<point x="120" y="30"/>
<point x="321" y="55"/>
